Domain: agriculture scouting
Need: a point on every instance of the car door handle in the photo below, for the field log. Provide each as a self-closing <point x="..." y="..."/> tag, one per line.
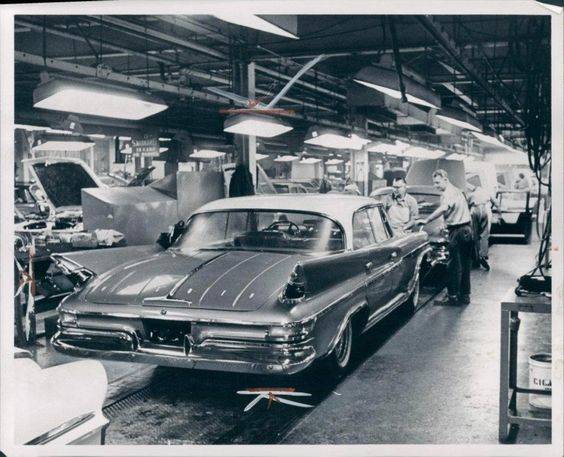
<point x="393" y="255"/>
<point x="369" y="267"/>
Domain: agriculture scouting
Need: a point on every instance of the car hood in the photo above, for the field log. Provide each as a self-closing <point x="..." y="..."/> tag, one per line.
<point x="220" y="280"/>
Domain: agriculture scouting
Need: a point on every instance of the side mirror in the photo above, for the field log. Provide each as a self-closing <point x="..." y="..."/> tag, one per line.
<point x="164" y="240"/>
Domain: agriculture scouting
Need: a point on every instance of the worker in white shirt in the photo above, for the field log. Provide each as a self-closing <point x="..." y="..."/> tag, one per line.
<point x="481" y="204"/>
<point x="401" y="208"/>
<point x="454" y="208"/>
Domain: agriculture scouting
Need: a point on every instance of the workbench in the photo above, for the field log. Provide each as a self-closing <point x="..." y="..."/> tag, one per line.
<point x="510" y="418"/>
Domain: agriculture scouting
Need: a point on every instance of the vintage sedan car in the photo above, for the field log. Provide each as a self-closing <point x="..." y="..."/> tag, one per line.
<point x="262" y="284"/>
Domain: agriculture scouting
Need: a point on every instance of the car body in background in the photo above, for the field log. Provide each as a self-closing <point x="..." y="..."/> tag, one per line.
<point x="264" y="284"/>
<point x="59" y="405"/>
<point x="60" y="182"/>
<point x="288" y="187"/>
<point x="514" y="217"/>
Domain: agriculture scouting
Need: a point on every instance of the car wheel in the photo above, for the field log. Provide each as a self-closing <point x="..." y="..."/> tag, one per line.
<point x="340" y="356"/>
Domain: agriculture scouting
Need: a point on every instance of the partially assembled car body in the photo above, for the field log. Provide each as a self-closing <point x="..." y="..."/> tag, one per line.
<point x="263" y="284"/>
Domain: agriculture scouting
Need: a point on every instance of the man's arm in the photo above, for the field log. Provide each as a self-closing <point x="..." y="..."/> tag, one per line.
<point x="441" y="210"/>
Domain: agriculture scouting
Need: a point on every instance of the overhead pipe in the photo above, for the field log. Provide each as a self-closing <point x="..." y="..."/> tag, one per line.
<point x="448" y="45"/>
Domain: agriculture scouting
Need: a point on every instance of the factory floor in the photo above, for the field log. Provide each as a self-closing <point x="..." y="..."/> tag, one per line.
<point x="429" y="379"/>
<point x="436" y="381"/>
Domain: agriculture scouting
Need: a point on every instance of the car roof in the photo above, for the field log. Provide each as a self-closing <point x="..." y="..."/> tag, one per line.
<point x="414" y="189"/>
<point x="338" y="207"/>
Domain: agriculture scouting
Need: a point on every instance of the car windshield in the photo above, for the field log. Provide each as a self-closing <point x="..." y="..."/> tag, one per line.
<point x="261" y="230"/>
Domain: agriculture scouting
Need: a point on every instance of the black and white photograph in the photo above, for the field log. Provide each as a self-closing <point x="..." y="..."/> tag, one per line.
<point x="272" y="228"/>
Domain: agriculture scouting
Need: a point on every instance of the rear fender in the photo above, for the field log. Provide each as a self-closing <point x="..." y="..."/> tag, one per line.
<point x="97" y="261"/>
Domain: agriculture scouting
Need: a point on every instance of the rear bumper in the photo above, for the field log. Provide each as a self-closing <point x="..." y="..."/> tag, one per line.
<point x="212" y="354"/>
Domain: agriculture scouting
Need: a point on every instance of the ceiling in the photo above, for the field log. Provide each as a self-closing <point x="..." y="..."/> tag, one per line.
<point x="487" y="63"/>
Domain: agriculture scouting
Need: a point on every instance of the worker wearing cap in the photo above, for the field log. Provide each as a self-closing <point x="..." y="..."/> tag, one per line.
<point x="454" y="208"/>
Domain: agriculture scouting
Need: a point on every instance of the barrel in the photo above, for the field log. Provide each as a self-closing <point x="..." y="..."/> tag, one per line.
<point x="540" y="378"/>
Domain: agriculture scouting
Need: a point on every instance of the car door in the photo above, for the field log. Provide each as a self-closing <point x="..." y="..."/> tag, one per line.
<point x="401" y="251"/>
<point x="378" y="260"/>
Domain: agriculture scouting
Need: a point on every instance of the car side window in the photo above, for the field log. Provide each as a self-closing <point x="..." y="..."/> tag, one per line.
<point x="381" y="232"/>
<point x="363" y="235"/>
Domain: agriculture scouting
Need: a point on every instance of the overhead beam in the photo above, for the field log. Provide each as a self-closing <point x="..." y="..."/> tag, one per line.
<point x="206" y="77"/>
<point x="82" y="70"/>
<point x="449" y="46"/>
<point x="194" y="26"/>
<point x="369" y="52"/>
<point x="143" y="31"/>
<point x="227" y="82"/>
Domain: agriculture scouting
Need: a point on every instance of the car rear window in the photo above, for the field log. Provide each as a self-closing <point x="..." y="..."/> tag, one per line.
<point x="262" y="230"/>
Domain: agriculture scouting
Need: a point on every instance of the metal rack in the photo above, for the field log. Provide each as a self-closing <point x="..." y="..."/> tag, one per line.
<point x="510" y="418"/>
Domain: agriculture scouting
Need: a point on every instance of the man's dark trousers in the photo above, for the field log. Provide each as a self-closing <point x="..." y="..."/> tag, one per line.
<point x="460" y="248"/>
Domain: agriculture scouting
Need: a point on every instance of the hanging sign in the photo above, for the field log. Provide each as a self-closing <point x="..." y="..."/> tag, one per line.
<point x="146" y="146"/>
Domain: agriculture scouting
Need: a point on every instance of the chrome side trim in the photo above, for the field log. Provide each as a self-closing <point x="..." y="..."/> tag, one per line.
<point x="381" y="312"/>
<point x="60" y="429"/>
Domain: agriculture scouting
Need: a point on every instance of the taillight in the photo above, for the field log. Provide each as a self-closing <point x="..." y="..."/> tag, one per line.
<point x="295" y="289"/>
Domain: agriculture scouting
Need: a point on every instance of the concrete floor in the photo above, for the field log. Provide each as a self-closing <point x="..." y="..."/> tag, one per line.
<point x="436" y="381"/>
<point x="431" y="380"/>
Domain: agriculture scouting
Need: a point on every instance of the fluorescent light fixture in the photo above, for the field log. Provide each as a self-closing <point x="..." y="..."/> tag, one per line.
<point x="255" y="125"/>
<point x="95" y="99"/>
<point x="125" y="138"/>
<point x="513" y="157"/>
<point x="286" y="158"/>
<point x="96" y="135"/>
<point x="165" y="139"/>
<point x="334" y="162"/>
<point x="260" y="156"/>
<point x="310" y="160"/>
<point x="60" y="132"/>
<point x="492" y="140"/>
<point x="50" y="142"/>
<point x="357" y="141"/>
<point x="386" y="81"/>
<point x="126" y="151"/>
<point x="396" y="148"/>
<point x="206" y="154"/>
<point x="419" y="152"/>
<point x="252" y="21"/>
<point x="456" y="156"/>
<point x="334" y="139"/>
<point x="29" y="128"/>
<point x="163" y="150"/>
<point x="459" y="118"/>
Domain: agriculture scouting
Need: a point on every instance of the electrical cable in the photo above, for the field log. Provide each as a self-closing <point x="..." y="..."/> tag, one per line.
<point x="537" y="115"/>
